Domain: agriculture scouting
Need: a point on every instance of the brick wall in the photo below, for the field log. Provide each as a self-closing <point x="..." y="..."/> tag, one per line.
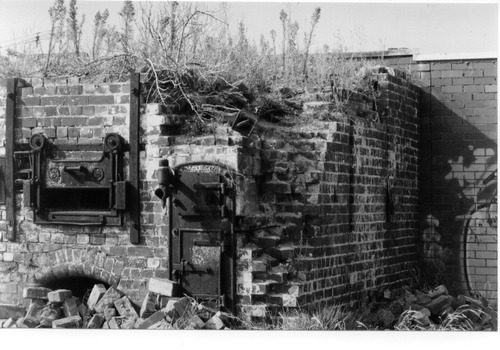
<point x="312" y="198"/>
<point x="459" y="151"/>
<point x="70" y="112"/>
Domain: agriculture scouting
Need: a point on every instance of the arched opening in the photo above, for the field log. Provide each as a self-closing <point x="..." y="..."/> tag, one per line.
<point x="80" y="286"/>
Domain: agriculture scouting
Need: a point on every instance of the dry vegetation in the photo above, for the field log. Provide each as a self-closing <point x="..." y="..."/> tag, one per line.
<point x="191" y="58"/>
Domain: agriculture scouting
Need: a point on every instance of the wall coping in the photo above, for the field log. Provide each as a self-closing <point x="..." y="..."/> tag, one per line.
<point x="417" y="57"/>
<point x="455" y="56"/>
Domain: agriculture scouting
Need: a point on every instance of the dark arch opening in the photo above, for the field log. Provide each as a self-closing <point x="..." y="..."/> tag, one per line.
<point x="80" y="286"/>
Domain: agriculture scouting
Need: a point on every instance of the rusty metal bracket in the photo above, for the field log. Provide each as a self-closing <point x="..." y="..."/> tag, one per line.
<point x="135" y="113"/>
<point x="10" y="114"/>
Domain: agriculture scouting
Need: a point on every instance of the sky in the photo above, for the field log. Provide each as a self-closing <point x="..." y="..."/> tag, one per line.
<point x="429" y="27"/>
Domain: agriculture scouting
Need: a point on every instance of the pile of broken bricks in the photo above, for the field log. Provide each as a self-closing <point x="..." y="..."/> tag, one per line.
<point x="111" y="309"/>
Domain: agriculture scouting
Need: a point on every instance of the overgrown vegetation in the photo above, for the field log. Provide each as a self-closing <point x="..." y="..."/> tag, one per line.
<point x="191" y="57"/>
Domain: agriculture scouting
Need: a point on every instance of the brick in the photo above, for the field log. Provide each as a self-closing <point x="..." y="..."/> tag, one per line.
<point x="113" y="324"/>
<point x="32" y="101"/>
<point x="53" y="100"/>
<point x="484" y="81"/>
<point x="50" y="132"/>
<point x="451" y="89"/>
<point x="50" y="313"/>
<point x="440" y="66"/>
<point x="36" y="293"/>
<point x="437" y="305"/>
<point x="35" y="308"/>
<point x="490" y="88"/>
<point x="95" y="295"/>
<point x="473" y="88"/>
<point x="152" y="320"/>
<point x="214" y="323"/>
<point x="125" y="308"/>
<point x="162" y="286"/>
<point x="67" y="322"/>
<point x="108" y="299"/>
<point x="128" y="323"/>
<point x="28" y="322"/>
<point x="73" y="121"/>
<point x="28" y="122"/>
<point x="70" y="308"/>
<point x="77" y="100"/>
<point x="109" y="313"/>
<point x="196" y="322"/>
<point x="452" y="74"/>
<point x="73" y="132"/>
<point x="148" y="305"/>
<point x="60" y="295"/>
<point x="83" y="310"/>
<point x="96" y="321"/>
<point x="101" y="100"/>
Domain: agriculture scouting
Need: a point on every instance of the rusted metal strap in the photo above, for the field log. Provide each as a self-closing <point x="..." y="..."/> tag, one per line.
<point x="10" y="114"/>
<point x="135" y="104"/>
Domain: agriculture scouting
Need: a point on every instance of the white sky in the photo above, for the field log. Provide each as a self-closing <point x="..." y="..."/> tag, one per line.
<point x="431" y="27"/>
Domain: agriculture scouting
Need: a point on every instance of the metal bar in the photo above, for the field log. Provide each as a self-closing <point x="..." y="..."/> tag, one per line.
<point x="10" y="115"/>
<point x="135" y="88"/>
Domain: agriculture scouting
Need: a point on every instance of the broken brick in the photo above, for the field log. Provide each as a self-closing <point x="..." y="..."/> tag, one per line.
<point x="162" y="286"/>
<point x="9" y="323"/>
<point x="128" y="323"/>
<point x="439" y="304"/>
<point x="163" y="324"/>
<point x="69" y="307"/>
<point x="148" y="305"/>
<point x="35" y="308"/>
<point x="58" y="296"/>
<point x="28" y="321"/>
<point x="83" y="310"/>
<point x="113" y="323"/>
<point x="36" y="293"/>
<point x="169" y="310"/>
<point x="152" y="320"/>
<point x="49" y="314"/>
<point x="97" y="292"/>
<point x="125" y="308"/>
<point x="108" y="299"/>
<point x="214" y="323"/>
<point x="196" y="322"/>
<point x="108" y="313"/>
<point x="138" y="323"/>
<point x="96" y="321"/>
<point x="67" y="322"/>
<point x="182" y="306"/>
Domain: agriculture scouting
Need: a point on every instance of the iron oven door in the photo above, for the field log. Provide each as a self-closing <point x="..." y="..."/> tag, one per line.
<point x="200" y="232"/>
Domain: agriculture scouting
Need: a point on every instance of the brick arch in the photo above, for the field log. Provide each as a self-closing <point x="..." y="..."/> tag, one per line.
<point x="74" y="262"/>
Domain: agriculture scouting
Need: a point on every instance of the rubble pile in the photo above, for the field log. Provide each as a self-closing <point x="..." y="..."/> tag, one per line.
<point x="111" y="309"/>
<point x="435" y="310"/>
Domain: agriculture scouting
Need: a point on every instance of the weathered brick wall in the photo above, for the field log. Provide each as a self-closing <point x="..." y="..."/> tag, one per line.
<point x="68" y="111"/>
<point x="312" y="199"/>
<point x="459" y="139"/>
<point x="311" y="202"/>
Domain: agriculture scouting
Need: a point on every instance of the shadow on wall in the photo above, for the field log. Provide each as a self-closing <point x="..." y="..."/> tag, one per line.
<point x="458" y="183"/>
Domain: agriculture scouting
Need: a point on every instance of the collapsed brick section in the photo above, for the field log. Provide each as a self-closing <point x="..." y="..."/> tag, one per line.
<point x="327" y="210"/>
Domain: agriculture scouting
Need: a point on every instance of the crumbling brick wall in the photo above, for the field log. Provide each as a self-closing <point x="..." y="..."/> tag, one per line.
<point x="312" y="201"/>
